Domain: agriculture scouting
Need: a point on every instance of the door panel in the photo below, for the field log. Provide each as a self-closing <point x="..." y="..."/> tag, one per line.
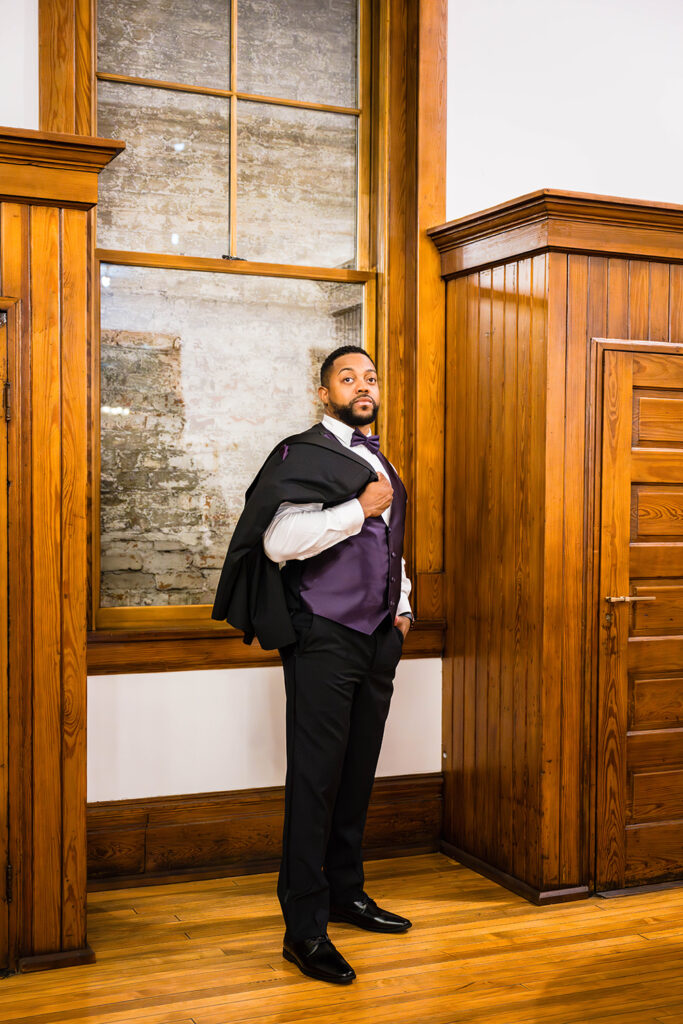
<point x="656" y="512"/>
<point x="640" y="737"/>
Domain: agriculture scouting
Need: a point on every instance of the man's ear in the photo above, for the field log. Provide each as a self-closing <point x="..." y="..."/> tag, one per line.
<point x="322" y="394"/>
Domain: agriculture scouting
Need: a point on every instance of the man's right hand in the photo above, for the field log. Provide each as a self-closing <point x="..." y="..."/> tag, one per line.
<point x="376" y="496"/>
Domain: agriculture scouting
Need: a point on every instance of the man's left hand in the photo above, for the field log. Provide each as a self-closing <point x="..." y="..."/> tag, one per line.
<point x="403" y="624"/>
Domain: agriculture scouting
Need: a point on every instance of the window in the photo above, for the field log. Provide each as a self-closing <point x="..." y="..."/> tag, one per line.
<point x="232" y="254"/>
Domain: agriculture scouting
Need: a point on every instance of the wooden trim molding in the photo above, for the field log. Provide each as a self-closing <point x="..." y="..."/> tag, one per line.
<point x="51" y="168"/>
<point x="539" y="897"/>
<point x="164" y="651"/>
<point x="555" y="220"/>
<point x="206" y="835"/>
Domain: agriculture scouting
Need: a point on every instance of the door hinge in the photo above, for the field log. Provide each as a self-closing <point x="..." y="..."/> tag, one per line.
<point x="9" y="879"/>
<point x="7" y="398"/>
<point x="3" y="317"/>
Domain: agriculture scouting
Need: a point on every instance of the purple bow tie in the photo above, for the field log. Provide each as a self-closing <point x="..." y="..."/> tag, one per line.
<point x="370" y="441"/>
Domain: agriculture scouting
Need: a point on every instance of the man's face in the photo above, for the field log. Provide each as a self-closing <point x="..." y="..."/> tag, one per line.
<point x="352" y="395"/>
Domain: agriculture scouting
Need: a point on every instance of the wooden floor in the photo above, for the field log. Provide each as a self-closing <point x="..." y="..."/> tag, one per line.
<point x="209" y="952"/>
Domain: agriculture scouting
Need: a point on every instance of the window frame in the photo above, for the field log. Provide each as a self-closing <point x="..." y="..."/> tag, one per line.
<point x="139" y="618"/>
<point x="401" y="196"/>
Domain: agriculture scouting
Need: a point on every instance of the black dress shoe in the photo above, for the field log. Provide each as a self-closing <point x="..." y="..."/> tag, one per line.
<point x="366" y="914"/>
<point x="318" y="958"/>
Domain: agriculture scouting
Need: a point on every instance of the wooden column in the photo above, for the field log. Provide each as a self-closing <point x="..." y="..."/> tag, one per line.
<point x="48" y="182"/>
<point x="531" y="285"/>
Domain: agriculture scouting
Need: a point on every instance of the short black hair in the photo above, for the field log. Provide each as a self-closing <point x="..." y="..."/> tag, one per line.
<point x="329" y="360"/>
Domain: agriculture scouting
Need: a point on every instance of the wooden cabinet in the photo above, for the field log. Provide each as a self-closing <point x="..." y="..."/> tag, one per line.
<point x="550" y="690"/>
<point x="48" y="183"/>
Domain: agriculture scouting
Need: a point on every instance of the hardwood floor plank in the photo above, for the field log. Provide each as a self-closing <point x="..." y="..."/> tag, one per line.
<point x="209" y="952"/>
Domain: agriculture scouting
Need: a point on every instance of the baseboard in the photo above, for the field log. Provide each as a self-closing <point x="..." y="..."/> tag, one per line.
<point x="48" y="961"/>
<point x="539" y="897"/>
<point x="209" y="835"/>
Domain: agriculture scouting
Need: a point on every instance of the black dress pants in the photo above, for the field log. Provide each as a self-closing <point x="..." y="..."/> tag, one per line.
<point x="339" y="684"/>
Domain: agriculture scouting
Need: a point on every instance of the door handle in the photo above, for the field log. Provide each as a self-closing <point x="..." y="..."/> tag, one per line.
<point x="616" y="600"/>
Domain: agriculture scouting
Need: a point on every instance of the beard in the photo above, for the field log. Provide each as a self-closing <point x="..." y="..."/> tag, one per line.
<point x="351" y="416"/>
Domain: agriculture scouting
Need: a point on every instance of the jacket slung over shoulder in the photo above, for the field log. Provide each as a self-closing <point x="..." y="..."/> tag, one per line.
<point x="311" y="466"/>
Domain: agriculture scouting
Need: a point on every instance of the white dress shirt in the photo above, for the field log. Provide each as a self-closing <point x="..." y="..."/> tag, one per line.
<point x="302" y="530"/>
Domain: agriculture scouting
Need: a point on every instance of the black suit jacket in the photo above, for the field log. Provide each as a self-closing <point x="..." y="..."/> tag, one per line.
<point x="310" y="466"/>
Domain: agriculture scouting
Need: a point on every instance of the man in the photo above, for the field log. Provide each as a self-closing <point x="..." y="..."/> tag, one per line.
<point x="327" y="510"/>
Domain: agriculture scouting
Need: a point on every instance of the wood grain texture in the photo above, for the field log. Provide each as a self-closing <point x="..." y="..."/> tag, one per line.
<point x="528" y="728"/>
<point x="43" y="265"/>
<point x="210" y="953"/>
<point x="566" y="323"/>
<point x="4" y="651"/>
<point x="74" y="436"/>
<point x="15" y="270"/>
<point x="110" y="653"/>
<point x="46" y="582"/>
<point x="612" y="708"/>
<point x="195" y="835"/>
<point x="57" y="82"/>
<point x="430" y="290"/>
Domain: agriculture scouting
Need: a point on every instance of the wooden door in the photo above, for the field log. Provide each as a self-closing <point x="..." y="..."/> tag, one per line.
<point x="640" y="666"/>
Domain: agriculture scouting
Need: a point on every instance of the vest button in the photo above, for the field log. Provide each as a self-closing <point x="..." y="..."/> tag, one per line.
<point x="393" y="579"/>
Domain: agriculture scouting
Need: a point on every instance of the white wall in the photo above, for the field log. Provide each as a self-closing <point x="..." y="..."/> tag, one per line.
<point x="576" y="94"/>
<point x="194" y="732"/>
<point x="19" y="64"/>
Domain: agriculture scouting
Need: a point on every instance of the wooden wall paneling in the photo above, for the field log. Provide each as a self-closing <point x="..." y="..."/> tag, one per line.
<point x="658" y="328"/>
<point x="453" y="662"/>
<point x="481" y="479"/>
<point x="582" y="285"/>
<point x="43" y="264"/>
<point x="74" y="424"/>
<point x="508" y="738"/>
<point x="66" y="41"/>
<point x="56" y="39"/>
<point x="617" y="306"/>
<point x="676" y="303"/>
<point x="85" y="47"/>
<point x="534" y="708"/>
<point x="522" y="826"/>
<point x="430" y="312"/>
<point x="467" y="422"/>
<point x="497" y="512"/>
<point x="4" y="652"/>
<point x="559" y="569"/>
<point x="15" y="271"/>
<point x="598" y="309"/>
<point x="47" y="583"/>
<point x="567" y="333"/>
<point x="638" y="298"/>
<point x="212" y="834"/>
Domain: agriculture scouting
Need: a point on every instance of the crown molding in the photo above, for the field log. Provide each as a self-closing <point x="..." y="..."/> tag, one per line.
<point x="556" y="220"/>
<point x="51" y="167"/>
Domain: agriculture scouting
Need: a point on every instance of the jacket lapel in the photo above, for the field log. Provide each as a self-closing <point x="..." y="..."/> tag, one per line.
<point x="322" y="438"/>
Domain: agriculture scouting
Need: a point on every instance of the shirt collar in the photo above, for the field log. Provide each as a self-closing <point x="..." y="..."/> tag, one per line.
<point x="341" y="430"/>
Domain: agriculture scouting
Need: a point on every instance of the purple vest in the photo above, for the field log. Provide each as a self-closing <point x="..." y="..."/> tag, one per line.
<point x="357" y="582"/>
